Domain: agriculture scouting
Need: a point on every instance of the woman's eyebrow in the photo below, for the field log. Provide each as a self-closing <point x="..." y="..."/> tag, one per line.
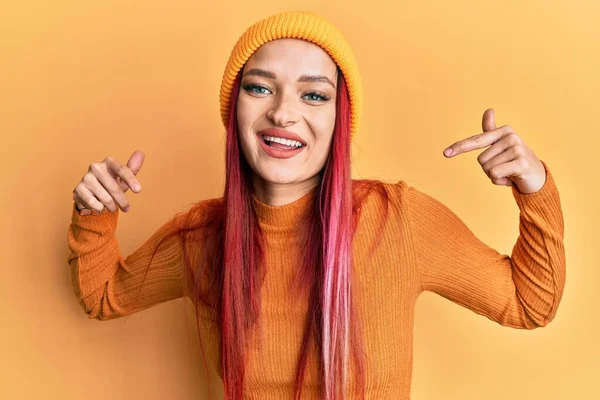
<point x="260" y="72"/>
<point x="304" y="78"/>
<point x="315" y="78"/>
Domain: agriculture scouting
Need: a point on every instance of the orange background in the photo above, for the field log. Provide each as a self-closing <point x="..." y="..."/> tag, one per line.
<point x="81" y="81"/>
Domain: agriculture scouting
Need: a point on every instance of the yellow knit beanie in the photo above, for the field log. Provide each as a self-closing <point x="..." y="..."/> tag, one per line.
<point x="297" y="25"/>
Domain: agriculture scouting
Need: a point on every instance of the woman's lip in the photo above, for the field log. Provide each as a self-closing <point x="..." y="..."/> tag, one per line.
<point x="276" y="153"/>
<point x="282" y="134"/>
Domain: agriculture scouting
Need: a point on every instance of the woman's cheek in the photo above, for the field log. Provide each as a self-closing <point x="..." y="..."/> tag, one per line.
<point x="319" y="154"/>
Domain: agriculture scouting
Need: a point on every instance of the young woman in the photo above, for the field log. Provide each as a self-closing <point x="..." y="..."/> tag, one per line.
<point x="304" y="280"/>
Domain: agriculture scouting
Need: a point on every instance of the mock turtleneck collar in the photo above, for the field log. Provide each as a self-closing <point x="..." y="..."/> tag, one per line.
<point x="285" y="215"/>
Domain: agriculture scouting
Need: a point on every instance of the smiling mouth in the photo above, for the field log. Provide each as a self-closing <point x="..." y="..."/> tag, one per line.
<point x="293" y="145"/>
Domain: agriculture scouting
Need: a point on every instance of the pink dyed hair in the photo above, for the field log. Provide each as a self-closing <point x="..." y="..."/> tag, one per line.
<point x="223" y="256"/>
<point x="325" y="271"/>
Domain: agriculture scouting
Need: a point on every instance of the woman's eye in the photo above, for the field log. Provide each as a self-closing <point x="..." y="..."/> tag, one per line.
<point x="314" y="96"/>
<point x="311" y="96"/>
<point x="256" y="89"/>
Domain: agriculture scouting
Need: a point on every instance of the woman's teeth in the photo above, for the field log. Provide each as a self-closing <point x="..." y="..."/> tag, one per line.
<point x="285" y="142"/>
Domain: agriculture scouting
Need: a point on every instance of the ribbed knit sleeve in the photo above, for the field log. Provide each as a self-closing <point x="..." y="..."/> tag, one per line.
<point x="522" y="290"/>
<point x="108" y="285"/>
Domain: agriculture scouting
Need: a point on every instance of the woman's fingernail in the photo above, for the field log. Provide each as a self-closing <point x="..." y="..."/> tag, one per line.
<point x="137" y="187"/>
<point x="448" y="152"/>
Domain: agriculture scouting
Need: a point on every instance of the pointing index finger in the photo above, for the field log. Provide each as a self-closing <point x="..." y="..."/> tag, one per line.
<point x="475" y="142"/>
<point x="124" y="176"/>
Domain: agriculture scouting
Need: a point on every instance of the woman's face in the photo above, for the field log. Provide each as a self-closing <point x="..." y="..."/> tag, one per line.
<point x="288" y="86"/>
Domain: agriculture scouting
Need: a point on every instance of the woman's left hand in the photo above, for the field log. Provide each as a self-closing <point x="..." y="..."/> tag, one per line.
<point x="508" y="161"/>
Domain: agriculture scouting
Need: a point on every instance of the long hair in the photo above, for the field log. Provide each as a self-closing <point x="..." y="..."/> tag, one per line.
<point x="325" y="270"/>
<point x="224" y="263"/>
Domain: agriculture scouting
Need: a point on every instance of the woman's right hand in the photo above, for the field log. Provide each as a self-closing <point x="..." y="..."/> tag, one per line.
<point x="105" y="184"/>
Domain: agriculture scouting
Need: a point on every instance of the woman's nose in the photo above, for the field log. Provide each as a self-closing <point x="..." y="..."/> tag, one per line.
<point x="283" y="112"/>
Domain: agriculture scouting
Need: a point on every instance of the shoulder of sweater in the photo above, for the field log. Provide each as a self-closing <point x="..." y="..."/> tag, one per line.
<point x="375" y="187"/>
<point x="200" y="207"/>
<point x="369" y="193"/>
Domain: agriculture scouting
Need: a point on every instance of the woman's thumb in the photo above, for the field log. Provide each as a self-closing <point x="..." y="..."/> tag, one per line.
<point x="135" y="161"/>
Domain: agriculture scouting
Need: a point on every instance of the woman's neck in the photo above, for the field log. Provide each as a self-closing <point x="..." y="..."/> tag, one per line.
<point x="279" y="194"/>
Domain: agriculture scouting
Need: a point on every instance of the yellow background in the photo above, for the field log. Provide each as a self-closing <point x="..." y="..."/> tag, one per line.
<point x="83" y="80"/>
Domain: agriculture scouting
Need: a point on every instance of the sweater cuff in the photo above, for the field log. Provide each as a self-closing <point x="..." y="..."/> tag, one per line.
<point x="547" y="198"/>
<point x="103" y="222"/>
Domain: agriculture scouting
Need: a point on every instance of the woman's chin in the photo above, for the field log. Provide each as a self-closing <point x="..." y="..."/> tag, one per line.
<point x="280" y="180"/>
<point x="280" y="176"/>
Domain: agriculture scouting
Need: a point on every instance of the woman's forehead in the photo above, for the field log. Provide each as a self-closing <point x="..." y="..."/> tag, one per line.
<point x="293" y="57"/>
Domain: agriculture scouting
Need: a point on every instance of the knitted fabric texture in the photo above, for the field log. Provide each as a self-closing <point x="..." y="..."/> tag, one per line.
<point x="420" y="245"/>
<point x="296" y="25"/>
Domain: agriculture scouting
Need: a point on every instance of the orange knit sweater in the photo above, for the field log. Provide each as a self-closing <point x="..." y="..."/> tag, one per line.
<point x="423" y="245"/>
